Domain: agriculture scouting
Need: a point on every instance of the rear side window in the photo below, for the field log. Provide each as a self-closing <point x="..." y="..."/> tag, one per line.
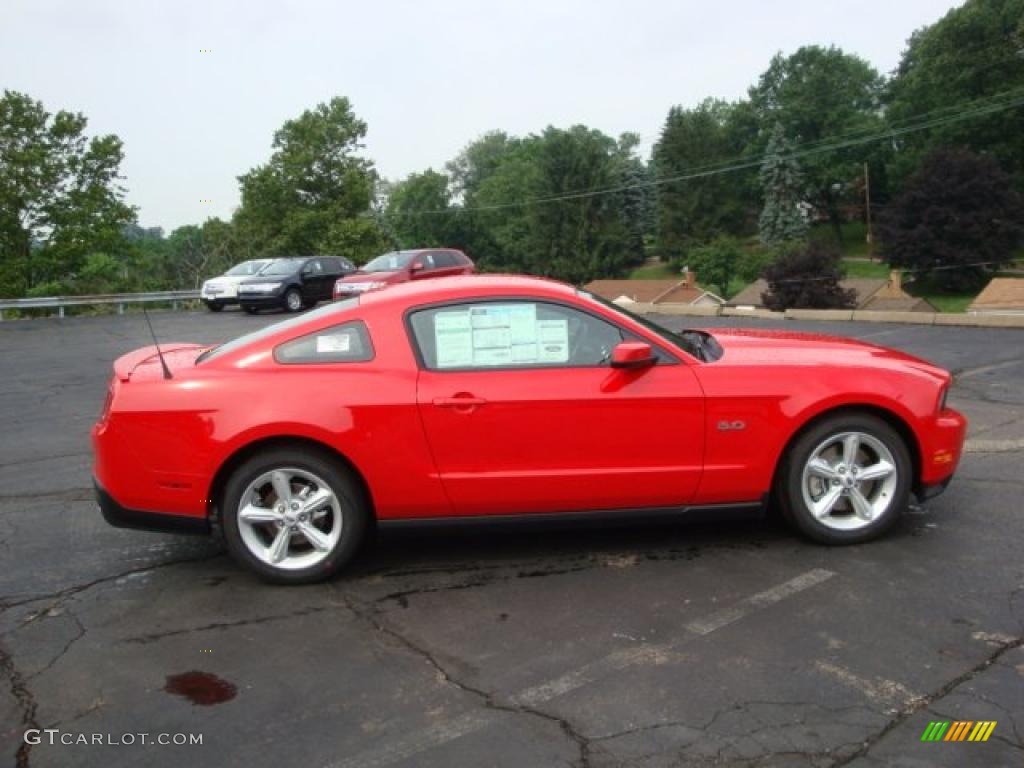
<point x="345" y="343"/>
<point x="445" y="260"/>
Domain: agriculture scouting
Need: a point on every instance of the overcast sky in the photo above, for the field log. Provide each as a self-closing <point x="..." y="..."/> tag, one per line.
<point x="427" y="76"/>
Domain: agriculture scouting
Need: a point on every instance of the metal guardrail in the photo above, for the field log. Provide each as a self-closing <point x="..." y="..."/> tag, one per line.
<point x="119" y="299"/>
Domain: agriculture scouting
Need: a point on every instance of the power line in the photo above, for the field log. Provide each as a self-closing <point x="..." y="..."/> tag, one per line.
<point x="811" y="149"/>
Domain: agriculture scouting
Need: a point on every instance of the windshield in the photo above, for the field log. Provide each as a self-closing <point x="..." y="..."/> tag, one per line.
<point x="282" y="267"/>
<point x="273" y="328"/>
<point x="389" y="262"/>
<point x="247" y="267"/>
<point x="695" y="343"/>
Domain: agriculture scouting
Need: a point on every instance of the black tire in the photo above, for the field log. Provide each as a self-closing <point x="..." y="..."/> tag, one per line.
<point x="789" y="488"/>
<point x="355" y="512"/>
<point x="292" y="300"/>
<point x="214" y="306"/>
<point x="250" y="310"/>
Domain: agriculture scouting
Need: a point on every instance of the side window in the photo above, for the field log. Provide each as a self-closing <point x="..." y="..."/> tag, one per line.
<point x="444" y="260"/>
<point x="427" y="259"/>
<point x="345" y="343"/>
<point x="519" y="334"/>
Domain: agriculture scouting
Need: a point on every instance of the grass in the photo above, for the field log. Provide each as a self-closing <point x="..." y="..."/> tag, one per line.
<point x="857" y="268"/>
<point x="654" y="272"/>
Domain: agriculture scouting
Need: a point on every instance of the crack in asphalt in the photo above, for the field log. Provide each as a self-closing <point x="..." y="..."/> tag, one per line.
<point x="927" y="700"/>
<point x="69" y="494"/>
<point x="67" y="646"/>
<point x="370" y="615"/>
<point x="731" y="740"/>
<point x="59" y="596"/>
<point x="219" y="625"/>
<point x="26" y="702"/>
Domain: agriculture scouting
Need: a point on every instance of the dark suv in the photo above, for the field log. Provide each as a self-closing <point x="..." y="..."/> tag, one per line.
<point x="400" y="266"/>
<point x="293" y="283"/>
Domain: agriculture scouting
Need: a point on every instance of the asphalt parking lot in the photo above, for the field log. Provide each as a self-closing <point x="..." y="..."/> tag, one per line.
<point x="689" y="644"/>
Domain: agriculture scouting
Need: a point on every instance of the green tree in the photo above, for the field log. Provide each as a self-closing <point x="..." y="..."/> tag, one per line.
<point x="60" y="197"/>
<point x="958" y="219"/>
<point x="419" y="210"/>
<point x="477" y="161"/>
<point x="532" y="209"/>
<point x="695" y="210"/>
<point x="971" y="55"/>
<point x="315" y="178"/>
<point x="782" y="217"/>
<point x="717" y="263"/>
<point x="819" y="94"/>
<point x="636" y="197"/>
<point x="806" y="276"/>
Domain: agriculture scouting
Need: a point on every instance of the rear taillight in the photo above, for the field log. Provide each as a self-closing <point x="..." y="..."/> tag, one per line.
<point x="107" y="403"/>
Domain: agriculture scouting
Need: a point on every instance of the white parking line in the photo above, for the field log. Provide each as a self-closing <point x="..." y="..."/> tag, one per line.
<point x="762" y="599"/>
<point x="433" y="736"/>
<point x="880" y="689"/>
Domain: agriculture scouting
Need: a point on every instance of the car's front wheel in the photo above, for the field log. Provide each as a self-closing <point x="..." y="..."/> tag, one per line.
<point x="293" y="300"/>
<point x="846" y="479"/>
<point x="294" y="516"/>
<point x="214" y="306"/>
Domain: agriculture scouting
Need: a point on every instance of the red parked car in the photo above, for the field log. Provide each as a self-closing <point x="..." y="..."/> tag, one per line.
<point x="402" y="266"/>
<point x="498" y="396"/>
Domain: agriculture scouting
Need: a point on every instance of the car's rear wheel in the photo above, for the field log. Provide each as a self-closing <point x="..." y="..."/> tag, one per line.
<point x="214" y="306"/>
<point x="249" y="309"/>
<point x="294" y="516"/>
<point x="846" y="479"/>
<point x="293" y="300"/>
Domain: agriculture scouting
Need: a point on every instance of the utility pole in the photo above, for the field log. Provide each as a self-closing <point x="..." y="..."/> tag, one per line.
<point x="867" y="211"/>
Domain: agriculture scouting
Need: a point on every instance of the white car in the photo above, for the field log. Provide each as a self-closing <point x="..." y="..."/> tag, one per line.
<point x="217" y="292"/>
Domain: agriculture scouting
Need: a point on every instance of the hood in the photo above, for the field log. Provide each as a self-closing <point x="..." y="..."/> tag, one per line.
<point x="749" y="346"/>
<point x="228" y="279"/>
<point x="144" y="363"/>
<point x="374" y="277"/>
<point x="266" y="278"/>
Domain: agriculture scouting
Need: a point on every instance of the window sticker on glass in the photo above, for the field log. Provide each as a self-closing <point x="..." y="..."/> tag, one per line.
<point x="553" y="340"/>
<point x="453" y="339"/>
<point x="335" y="342"/>
<point x="497" y="335"/>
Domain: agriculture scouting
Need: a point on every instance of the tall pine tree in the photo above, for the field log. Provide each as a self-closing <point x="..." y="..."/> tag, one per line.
<point x="782" y="218"/>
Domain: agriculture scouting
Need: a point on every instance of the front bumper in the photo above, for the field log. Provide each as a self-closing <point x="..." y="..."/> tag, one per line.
<point x="262" y="300"/>
<point x="120" y="517"/>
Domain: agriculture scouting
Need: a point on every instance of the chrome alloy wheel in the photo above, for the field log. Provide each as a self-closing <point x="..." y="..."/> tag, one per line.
<point x="293" y="300"/>
<point x="849" y="481"/>
<point x="289" y="518"/>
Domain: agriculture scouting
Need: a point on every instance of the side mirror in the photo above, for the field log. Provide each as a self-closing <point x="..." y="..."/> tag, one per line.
<point x="416" y="266"/>
<point x="633" y="354"/>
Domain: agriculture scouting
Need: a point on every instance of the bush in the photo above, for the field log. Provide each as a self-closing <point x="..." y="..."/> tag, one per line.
<point x="806" y="276"/>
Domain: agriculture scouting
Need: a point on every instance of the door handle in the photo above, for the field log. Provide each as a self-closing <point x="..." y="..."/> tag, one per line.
<point x="459" y="401"/>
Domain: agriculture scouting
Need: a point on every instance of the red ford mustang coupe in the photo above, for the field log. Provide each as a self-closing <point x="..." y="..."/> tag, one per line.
<point x="497" y="397"/>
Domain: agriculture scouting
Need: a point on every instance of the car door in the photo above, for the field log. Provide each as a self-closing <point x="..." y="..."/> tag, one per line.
<point x="313" y="281"/>
<point x="333" y="269"/>
<point x="445" y="264"/>
<point x="523" y="412"/>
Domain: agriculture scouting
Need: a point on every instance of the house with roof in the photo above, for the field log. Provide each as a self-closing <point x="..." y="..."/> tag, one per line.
<point x="671" y="291"/>
<point x="873" y="294"/>
<point x="1002" y="296"/>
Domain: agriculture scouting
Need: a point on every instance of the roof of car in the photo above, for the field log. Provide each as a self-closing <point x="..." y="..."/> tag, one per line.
<point x="461" y="286"/>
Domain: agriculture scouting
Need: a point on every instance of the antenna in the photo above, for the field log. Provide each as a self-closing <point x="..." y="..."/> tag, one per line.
<point x="163" y="363"/>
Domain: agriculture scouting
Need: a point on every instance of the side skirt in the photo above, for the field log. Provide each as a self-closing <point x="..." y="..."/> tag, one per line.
<point x="604" y="517"/>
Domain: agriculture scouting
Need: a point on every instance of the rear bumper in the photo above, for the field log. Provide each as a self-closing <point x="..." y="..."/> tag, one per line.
<point x="219" y="299"/>
<point x="120" y="517"/>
